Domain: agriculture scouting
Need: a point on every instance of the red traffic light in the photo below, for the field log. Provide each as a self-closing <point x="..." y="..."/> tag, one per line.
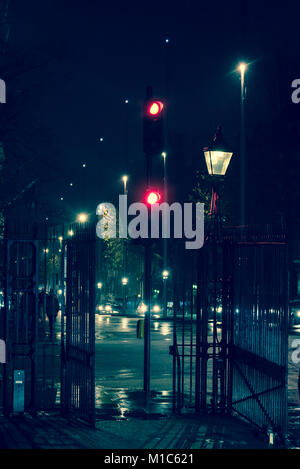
<point x="154" y="108"/>
<point x="152" y="197"/>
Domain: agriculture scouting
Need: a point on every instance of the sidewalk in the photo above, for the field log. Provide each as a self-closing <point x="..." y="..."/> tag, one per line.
<point x="51" y="431"/>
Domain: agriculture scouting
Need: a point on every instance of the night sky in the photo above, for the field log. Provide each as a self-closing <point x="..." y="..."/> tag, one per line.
<point x="92" y="55"/>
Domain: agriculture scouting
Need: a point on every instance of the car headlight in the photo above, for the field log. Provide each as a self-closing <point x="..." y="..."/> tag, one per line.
<point x="298" y="313"/>
<point x="107" y="308"/>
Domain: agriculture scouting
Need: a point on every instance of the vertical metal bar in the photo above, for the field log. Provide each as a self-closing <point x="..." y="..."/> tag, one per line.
<point x="174" y="361"/>
<point x="147" y="289"/>
<point x="191" y="330"/>
<point x="35" y="262"/>
<point x="91" y="323"/>
<point x="62" y="328"/>
<point x="214" y="343"/>
<point x="7" y="296"/>
<point x="183" y="327"/>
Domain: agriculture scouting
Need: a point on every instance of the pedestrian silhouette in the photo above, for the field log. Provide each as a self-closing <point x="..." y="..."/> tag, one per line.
<point x="52" y="308"/>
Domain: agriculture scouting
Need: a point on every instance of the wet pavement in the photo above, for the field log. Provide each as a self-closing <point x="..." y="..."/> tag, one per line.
<point x="119" y="373"/>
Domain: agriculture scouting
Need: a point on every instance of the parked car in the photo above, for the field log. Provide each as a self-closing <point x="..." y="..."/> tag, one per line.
<point x="109" y="308"/>
<point x="294" y="313"/>
<point x="156" y="310"/>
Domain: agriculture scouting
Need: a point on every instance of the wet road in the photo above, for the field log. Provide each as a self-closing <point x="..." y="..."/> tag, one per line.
<point x="120" y="355"/>
<point x="119" y="366"/>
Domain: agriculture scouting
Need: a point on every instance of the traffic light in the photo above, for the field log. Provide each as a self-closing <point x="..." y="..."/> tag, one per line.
<point x="152" y="197"/>
<point x="153" y="126"/>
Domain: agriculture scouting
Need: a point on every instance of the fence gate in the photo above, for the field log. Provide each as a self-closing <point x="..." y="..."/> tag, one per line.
<point x="258" y="334"/>
<point x="230" y="340"/>
<point x="78" y="325"/>
<point x="20" y="322"/>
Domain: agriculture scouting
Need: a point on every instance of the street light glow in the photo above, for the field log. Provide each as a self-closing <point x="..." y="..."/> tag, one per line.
<point x="82" y="218"/>
<point x="124" y="281"/>
<point x="99" y="285"/>
<point x="71" y="233"/>
<point x="165" y="274"/>
<point x="242" y="67"/>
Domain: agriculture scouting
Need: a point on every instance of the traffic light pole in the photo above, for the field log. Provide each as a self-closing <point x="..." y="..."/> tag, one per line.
<point x="147" y="293"/>
<point x="152" y="145"/>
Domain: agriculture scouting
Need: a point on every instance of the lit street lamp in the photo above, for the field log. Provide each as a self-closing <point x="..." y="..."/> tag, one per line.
<point x="165" y="247"/>
<point x="82" y="218"/>
<point x="125" y="180"/>
<point x="99" y="287"/>
<point x="124" y="245"/>
<point x="165" y="275"/>
<point x="124" y="283"/>
<point x="217" y="158"/>
<point x="242" y="68"/>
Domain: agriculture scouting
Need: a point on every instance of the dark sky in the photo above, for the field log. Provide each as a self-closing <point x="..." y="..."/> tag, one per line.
<point x="98" y="53"/>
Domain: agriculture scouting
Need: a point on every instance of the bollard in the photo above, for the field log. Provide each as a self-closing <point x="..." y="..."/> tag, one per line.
<point x="140" y="328"/>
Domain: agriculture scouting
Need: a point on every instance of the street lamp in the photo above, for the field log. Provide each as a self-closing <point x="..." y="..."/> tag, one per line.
<point x="217" y="158"/>
<point x="125" y="180"/>
<point x="165" y="248"/>
<point x="217" y="155"/>
<point x="82" y="218"/>
<point x="99" y="285"/>
<point x="165" y="274"/>
<point x="124" y="281"/>
<point x="242" y="68"/>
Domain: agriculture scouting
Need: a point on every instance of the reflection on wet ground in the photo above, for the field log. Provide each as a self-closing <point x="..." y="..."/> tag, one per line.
<point x="119" y="370"/>
<point x="119" y="404"/>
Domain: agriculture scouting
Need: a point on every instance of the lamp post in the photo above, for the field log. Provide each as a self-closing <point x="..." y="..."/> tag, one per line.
<point x="165" y="248"/>
<point x="165" y="276"/>
<point x="217" y="158"/>
<point x="125" y="180"/>
<point x="124" y="283"/>
<point x="242" y="68"/>
<point x="99" y="287"/>
<point x="82" y="218"/>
